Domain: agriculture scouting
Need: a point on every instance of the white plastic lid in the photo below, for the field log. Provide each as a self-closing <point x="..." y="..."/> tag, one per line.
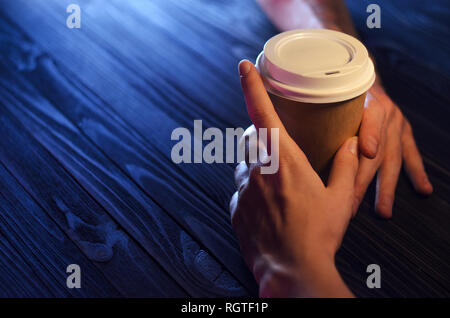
<point x="316" y="66"/>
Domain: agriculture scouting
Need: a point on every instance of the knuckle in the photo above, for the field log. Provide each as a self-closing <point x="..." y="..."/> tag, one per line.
<point x="398" y="115"/>
<point x="394" y="111"/>
<point x="407" y="127"/>
<point x="389" y="109"/>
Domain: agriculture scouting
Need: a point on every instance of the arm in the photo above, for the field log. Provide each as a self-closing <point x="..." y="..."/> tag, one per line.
<point x="381" y="118"/>
<point x="309" y="14"/>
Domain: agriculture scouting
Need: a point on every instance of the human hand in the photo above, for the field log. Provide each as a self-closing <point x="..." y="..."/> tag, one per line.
<point x="289" y="225"/>
<point x="381" y="117"/>
<point x="386" y="140"/>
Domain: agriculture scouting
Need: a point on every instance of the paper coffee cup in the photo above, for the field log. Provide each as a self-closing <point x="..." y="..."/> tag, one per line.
<point x="317" y="80"/>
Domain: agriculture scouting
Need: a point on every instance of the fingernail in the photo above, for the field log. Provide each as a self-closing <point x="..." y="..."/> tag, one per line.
<point x="353" y="146"/>
<point x="372" y="145"/>
<point x="244" y="67"/>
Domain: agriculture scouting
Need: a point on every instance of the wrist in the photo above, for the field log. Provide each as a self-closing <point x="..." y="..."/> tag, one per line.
<point x="317" y="277"/>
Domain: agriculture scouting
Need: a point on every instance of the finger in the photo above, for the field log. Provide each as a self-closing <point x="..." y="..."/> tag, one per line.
<point x="387" y="178"/>
<point x="233" y="204"/>
<point x="344" y="169"/>
<point x="263" y="115"/>
<point x="366" y="172"/>
<point x="259" y="106"/>
<point x="252" y="146"/>
<point x="371" y="127"/>
<point x="413" y="162"/>
<point x="241" y="174"/>
<point x="249" y="137"/>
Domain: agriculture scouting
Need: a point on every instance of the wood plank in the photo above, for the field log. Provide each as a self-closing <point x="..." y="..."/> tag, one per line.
<point x="34" y="252"/>
<point x="162" y="238"/>
<point x="211" y="227"/>
<point x="100" y="238"/>
<point x="120" y="196"/>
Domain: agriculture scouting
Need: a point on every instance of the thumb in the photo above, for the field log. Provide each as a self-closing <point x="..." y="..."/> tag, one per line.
<point x="343" y="172"/>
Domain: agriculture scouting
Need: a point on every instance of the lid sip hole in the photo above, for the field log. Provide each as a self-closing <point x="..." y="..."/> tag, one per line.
<point x="331" y="73"/>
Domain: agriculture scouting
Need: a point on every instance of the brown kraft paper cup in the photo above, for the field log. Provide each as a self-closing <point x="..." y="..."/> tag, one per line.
<point x="320" y="129"/>
<point x="317" y="80"/>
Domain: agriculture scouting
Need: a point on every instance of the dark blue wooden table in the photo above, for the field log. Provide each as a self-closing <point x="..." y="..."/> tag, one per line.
<point x="86" y="176"/>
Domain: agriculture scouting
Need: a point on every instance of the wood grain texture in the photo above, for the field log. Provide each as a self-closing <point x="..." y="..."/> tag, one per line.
<point x="174" y="248"/>
<point x="86" y="118"/>
<point x="160" y="236"/>
<point x="98" y="237"/>
<point x="214" y="232"/>
<point x="34" y="252"/>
